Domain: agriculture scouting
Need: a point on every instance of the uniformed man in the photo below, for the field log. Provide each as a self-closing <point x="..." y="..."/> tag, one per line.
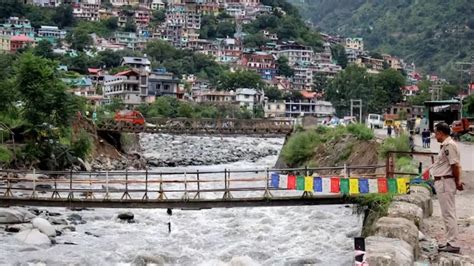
<point x="447" y="173"/>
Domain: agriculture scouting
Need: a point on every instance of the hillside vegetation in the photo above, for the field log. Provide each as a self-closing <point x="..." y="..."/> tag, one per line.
<point x="433" y="34"/>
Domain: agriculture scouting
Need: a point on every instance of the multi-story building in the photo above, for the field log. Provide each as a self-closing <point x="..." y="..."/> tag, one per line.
<point x="355" y="44"/>
<point x="130" y="86"/>
<point x="162" y="83"/>
<point x="263" y="63"/>
<point x="17" y="26"/>
<point x="303" y="77"/>
<point x="20" y="41"/>
<point x="248" y="98"/>
<point x="295" y="53"/>
<point x="4" y="44"/>
<point x="308" y="107"/>
<point x="325" y="57"/>
<point x="157" y="5"/>
<point x="244" y="2"/>
<point x="327" y="69"/>
<point x="130" y="40"/>
<point x="226" y="50"/>
<point x="51" y="33"/>
<point x="83" y="87"/>
<point x="274" y="109"/>
<point x="141" y="63"/>
<point x="373" y="65"/>
<point x="45" y="3"/>
<point x="86" y="11"/>
<point x="215" y="97"/>
<point x="392" y="61"/>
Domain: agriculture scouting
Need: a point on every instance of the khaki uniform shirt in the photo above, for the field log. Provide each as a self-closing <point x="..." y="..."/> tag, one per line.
<point x="447" y="156"/>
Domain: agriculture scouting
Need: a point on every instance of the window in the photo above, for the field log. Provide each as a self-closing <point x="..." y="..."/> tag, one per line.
<point x="278" y="107"/>
<point x="167" y="87"/>
<point x="247" y="96"/>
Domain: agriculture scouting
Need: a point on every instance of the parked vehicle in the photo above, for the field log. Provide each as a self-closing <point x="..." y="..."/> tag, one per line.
<point x="374" y="121"/>
<point x="129" y="117"/>
<point x="461" y="127"/>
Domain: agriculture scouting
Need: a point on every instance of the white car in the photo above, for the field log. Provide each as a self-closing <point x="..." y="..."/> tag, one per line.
<point x="374" y="121"/>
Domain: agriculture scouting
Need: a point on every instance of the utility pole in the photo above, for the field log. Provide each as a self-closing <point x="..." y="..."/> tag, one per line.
<point x="436" y="92"/>
<point x="357" y="104"/>
<point x="468" y="68"/>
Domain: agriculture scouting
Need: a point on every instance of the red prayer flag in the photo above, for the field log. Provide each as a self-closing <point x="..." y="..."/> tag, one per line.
<point x="335" y="185"/>
<point x="382" y="184"/>
<point x="291" y="184"/>
<point x="426" y="174"/>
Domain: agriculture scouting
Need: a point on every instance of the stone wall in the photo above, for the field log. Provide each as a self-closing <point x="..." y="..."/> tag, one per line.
<point x="397" y="235"/>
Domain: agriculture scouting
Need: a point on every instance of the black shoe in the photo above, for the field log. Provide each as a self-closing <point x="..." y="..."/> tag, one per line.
<point x="448" y="248"/>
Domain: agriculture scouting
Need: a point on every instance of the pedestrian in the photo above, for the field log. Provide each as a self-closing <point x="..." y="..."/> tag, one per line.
<point x="447" y="174"/>
<point x="423" y="138"/>
<point x="389" y="131"/>
<point x="411" y="140"/>
<point x="428" y="139"/>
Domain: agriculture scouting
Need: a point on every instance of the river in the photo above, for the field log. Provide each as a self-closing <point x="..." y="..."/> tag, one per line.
<point x="240" y="236"/>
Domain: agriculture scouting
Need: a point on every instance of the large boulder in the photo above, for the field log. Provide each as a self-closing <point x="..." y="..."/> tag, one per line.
<point x="422" y="200"/>
<point x="33" y="237"/>
<point x="406" y="210"/>
<point x="126" y="216"/>
<point x="44" y="226"/>
<point x="420" y="189"/>
<point x="449" y="259"/>
<point x="388" y="251"/>
<point x="14" y="216"/>
<point x="400" y="228"/>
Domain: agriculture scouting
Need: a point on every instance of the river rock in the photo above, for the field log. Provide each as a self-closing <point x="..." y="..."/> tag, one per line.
<point x="14" y="216"/>
<point x="406" y="210"/>
<point x="422" y="200"/>
<point x="126" y="216"/>
<point x="143" y="260"/>
<point x="33" y="237"/>
<point x="75" y="219"/>
<point x="400" y="228"/>
<point x="388" y="251"/>
<point x="420" y="189"/>
<point x="44" y="226"/>
<point x="449" y="259"/>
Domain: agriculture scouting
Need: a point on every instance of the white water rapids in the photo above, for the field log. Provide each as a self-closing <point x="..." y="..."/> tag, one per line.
<point x="321" y="235"/>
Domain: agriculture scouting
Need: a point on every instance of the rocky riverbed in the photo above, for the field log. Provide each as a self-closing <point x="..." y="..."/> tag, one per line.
<point x="166" y="150"/>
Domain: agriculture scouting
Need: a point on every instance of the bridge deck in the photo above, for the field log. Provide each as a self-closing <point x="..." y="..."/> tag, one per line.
<point x="177" y="203"/>
<point x="263" y="127"/>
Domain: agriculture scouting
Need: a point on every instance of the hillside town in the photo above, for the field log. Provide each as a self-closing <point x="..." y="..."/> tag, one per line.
<point x="184" y="25"/>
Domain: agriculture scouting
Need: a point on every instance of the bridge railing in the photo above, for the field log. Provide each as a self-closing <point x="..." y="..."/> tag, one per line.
<point x="203" y="126"/>
<point x="224" y="184"/>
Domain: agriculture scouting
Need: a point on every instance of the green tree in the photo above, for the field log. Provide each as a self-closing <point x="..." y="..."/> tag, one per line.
<point x="240" y="79"/>
<point x="225" y="29"/>
<point x="320" y="82"/>
<point x="44" y="48"/>
<point x="273" y="93"/>
<point x="42" y="93"/>
<point x="115" y="105"/>
<point x="450" y="91"/>
<point x="159" y="16"/>
<point x="130" y="26"/>
<point x="164" y="106"/>
<point x="63" y="16"/>
<point x="392" y="81"/>
<point x="339" y="54"/>
<point x="79" y="39"/>
<point x="185" y="110"/>
<point x="111" y="23"/>
<point x="283" y="67"/>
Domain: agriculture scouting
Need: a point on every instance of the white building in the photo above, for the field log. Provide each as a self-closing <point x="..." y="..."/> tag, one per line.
<point x="130" y="86"/>
<point x="355" y="44"/>
<point x="296" y="53"/>
<point x="136" y="62"/>
<point x="51" y="33"/>
<point x="274" y="109"/>
<point x="248" y="98"/>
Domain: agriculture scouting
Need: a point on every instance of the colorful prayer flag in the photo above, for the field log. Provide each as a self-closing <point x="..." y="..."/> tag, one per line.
<point x="354" y="185"/>
<point x="318" y="184"/>
<point x="335" y="187"/>
<point x="392" y="185"/>
<point x="308" y="183"/>
<point x="283" y="182"/>
<point x="291" y="184"/>
<point x="382" y="185"/>
<point x="327" y="185"/>
<point x="373" y="185"/>
<point x="402" y="185"/>
<point x="363" y="185"/>
<point x="275" y="180"/>
<point x="300" y="182"/>
<point x="344" y="185"/>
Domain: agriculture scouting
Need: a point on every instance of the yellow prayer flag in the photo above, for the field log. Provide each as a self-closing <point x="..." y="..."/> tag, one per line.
<point x="402" y="185"/>
<point x="354" y="186"/>
<point x="308" y="183"/>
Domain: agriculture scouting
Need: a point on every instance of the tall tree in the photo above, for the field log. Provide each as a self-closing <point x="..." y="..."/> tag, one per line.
<point x="392" y="81"/>
<point x="79" y="39"/>
<point x="63" y="16"/>
<point x="240" y="79"/>
<point x="44" y="48"/>
<point x="283" y="67"/>
<point x="339" y="54"/>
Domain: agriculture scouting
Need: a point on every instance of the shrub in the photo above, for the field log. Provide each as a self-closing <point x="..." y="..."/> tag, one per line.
<point x="360" y="131"/>
<point x="467" y="138"/>
<point x="373" y="206"/>
<point x="82" y="146"/>
<point x="400" y="143"/>
<point x="300" y="147"/>
<point x="6" y="156"/>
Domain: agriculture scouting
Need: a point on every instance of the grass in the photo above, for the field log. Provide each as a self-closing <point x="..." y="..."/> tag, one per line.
<point x="373" y="206"/>
<point x="300" y="147"/>
<point x="360" y="131"/>
<point x="400" y="143"/>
